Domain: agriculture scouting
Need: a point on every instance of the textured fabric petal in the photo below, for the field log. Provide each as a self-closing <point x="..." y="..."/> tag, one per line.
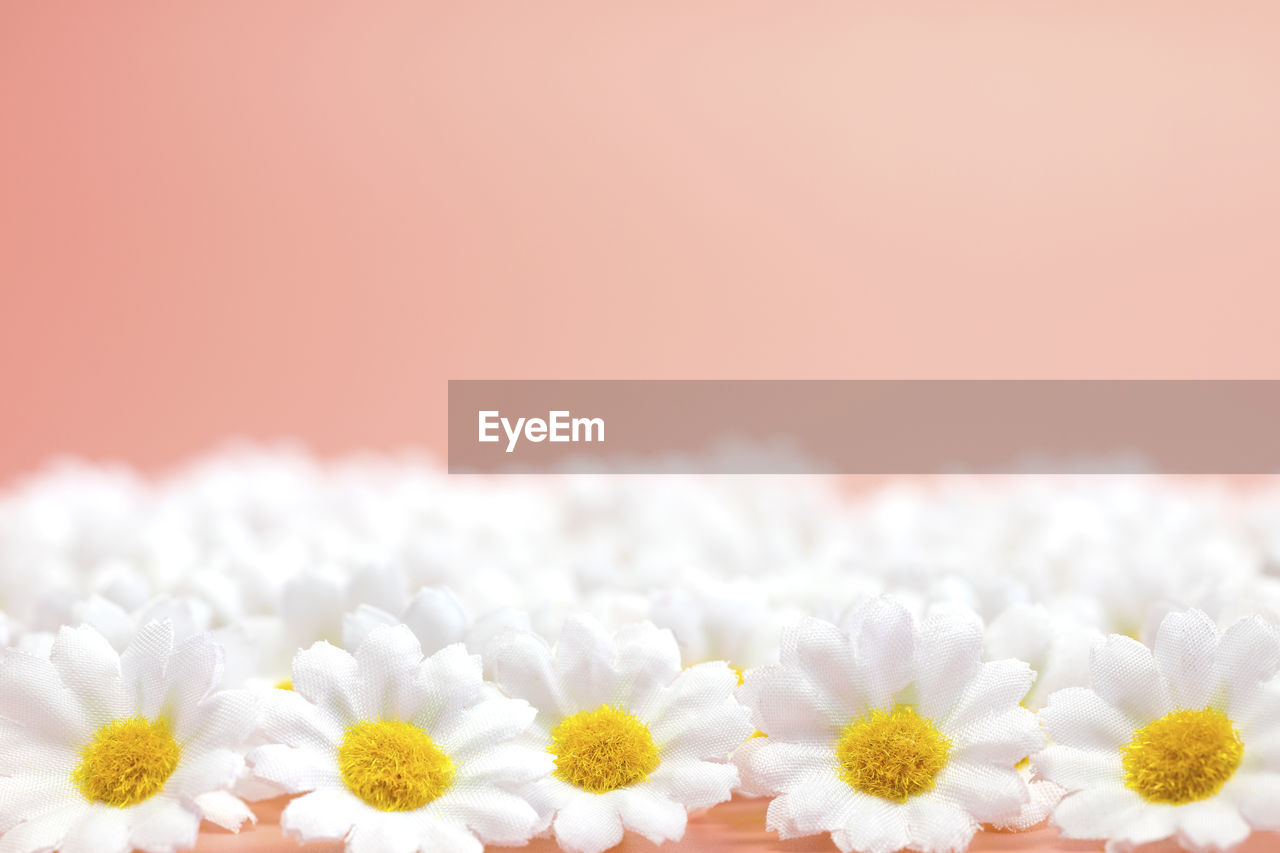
<point x="719" y="731"/>
<point x="215" y="770"/>
<point x="1096" y="813"/>
<point x="995" y="687"/>
<point x="776" y="765"/>
<point x="90" y="668"/>
<point x="44" y="831"/>
<point x="295" y="769"/>
<point x="324" y="815"/>
<point x="385" y="832"/>
<point x="386" y="675"/>
<point x="1003" y="738"/>
<point x="682" y="703"/>
<point x="1125" y="675"/>
<point x="23" y="752"/>
<point x="25" y="797"/>
<point x="193" y="670"/>
<point x="1186" y="656"/>
<point x="646" y="659"/>
<point x="1248" y="654"/>
<point x="326" y="676"/>
<point x="449" y="837"/>
<point x="162" y="824"/>
<point x="873" y="825"/>
<point x="1076" y="716"/>
<point x="452" y="679"/>
<point x="102" y="829"/>
<point x="590" y="823"/>
<point x="142" y="666"/>
<point x="1257" y="796"/>
<point x="469" y="734"/>
<point x="495" y="816"/>
<point x="1075" y="769"/>
<point x="985" y="792"/>
<point x="824" y="656"/>
<point x="1213" y="824"/>
<point x="696" y="784"/>
<point x="646" y="813"/>
<point x="783" y="706"/>
<point x="584" y="657"/>
<point x="437" y="618"/>
<point x="506" y="763"/>
<point x="33" y="695"/>
<point x="1045" y="796"/>
<point x="357" y="624"/>
<point x="936" y="825"/>
<point x="883" y="635"/>
<point x="818" y="802"/>
<point x="225" y="719"/>
<point x="225" y="809"/>
<point x="948" y="652"/>
<point x="289" y="718"/>
<point x="521" y="664"/>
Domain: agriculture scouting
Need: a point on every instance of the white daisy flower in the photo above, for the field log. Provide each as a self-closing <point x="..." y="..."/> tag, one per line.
<point x="437" y="618"/>
<point x="399" y="753"/>
<point x="106" y="752"/>
<point x="1180" y="741"/>
<point x="637" y="742"/>
<point x="888" y="733"/>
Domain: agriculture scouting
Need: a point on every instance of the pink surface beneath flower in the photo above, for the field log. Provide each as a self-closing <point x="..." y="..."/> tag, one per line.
<point x="737" y="826"/>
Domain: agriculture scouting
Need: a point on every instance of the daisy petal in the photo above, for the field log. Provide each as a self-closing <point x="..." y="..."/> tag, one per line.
<point x="1212" y="824"/>
<point x="1125" y="675"/>
<point x="995" y="687"/>
<point x="225" y="809"/>
<point x="1257" y="795"/>
<point x="1185" y="652"/>
<point x="1097" y="813"/>
<point x="987" y="793"/>
<point x="1076" y="769"/>
<point x="90" y="668"/>
<point x="883" y="634"/>
<point x="324" y="815"/>
<point x="590" y="823"/>
<point x="33" y="695"/>
<point x="523" y="666"/>
<point x="656" y="818"/>
<point x="948" y="652"/>
<point x="937" y="825"/>
<point x="1076" y="716"/>
<point x="294" y="769"/>
<point x="45" y="831"/>
<point x="103" y="829"/>
<point x="162" y="824"/>
<point x="391" y="832"/>
<point x="496" y="817"/>
<point x="873" y="825"/>
<point x="1248" y="654"/>
<point x="326" y="675"/>
<point x="696" y="784"/>
<point x="386" y="663"/>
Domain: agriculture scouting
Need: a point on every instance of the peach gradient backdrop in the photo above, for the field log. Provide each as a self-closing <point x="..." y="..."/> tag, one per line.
<point x="299" y="218"/>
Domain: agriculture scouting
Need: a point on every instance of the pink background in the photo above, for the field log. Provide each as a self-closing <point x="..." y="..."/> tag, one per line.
<point x="291" y="218"/>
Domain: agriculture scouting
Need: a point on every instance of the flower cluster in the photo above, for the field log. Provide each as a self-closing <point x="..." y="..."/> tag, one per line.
<point x="432" y="663"/>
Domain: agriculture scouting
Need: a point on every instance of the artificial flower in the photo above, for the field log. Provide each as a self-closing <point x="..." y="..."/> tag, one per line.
<point x="395" y="753"/>
<point x="107" y="752"/>
<point x="637" y="742"/>
<point x="1180" y="741"/>
<point x="888" y="733"/>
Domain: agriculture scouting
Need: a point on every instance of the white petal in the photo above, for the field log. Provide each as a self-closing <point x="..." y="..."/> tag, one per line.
<point x="824" y="656"/>
<point x="776" y="765"/>
<point x="289" y="718"/>
<point x="437" y="618"/>
<point x="1257" y="795"/>
<point x="656" y="818"/>
<point x="1076" y="716"/>
<point x="44" y="831"/>
<point x="720" y="731"/>
<point x="32" y="694"/>
<point x="693" y="691"/>
<point x="1125" y="676"/>
<point x="1248" y="654"/>
<point x="193" y="670"/>
<point x="646" y="658"/>
<point x="23" y="797"/>
<point x="948" y="652"/>
<point x="589" y="824"/>
<point x="90" y="668"/>
<point x="357" y="624"/>
<point x="295" y="769"/>
<point x="495" y="816"/>
<point x="995" y="687"/>
<point x="1212" y="824"/>
<point x="215" y="770"/>
<point x="471" y="732"/>
<point x="506" y="764"/>
<point x="1045" y="796"/>
<point x="584" y="658"/>
<point x="883" y="635"/>
<point x="225" y="810"/>
<point x="783" y="706"/>
<point x="522" y="665"/>
<point x="448" y="837"/>
<point x="1076" y="769"/>
<point x="1097" y="813"/>
<point x="162" y="824"/>
<point x="386" y="682"/>
<point x="936" y="825"/>
<point x="225" y="719"/>
<point x="1185" y="654"/>
<point x="988" y="793"/>
<point x="452" y="679"/>
<point x="23" y="752"/>
<point x="818" y="803"/>
<point x="386" y="832"/>
<point x="324" y="815"/>
<point x="142" y="665"/>
<point x="1003" y="738"/>
<point x="696" y="784"/>
<point x="873" y="825"/>
<point x="326" y="676"/>
<point x="103" y="829"/>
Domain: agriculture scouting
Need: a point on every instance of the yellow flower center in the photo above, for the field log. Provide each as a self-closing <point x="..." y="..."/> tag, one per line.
<point x="894" y="754"/>
<point x="284" y="684"/>
<point x="127" y="761"/>
<point x="1182" y="757"/>
<point x="602" y="750"/>
<point x="393" y="765"/>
